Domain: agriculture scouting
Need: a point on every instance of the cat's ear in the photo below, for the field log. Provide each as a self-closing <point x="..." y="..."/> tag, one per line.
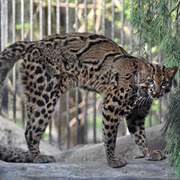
<point x="171" y="71"/>
<point x="144" y="69"/>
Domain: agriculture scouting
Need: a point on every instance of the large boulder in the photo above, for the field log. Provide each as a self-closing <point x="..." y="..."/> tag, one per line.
<point x="86" y="161"/>
<point x="138" y="169"/>
<point x="13" y="135"/>
<point x="125" y="146"/>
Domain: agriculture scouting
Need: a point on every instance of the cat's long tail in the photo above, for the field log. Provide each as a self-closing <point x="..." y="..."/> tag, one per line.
<point x="9" y="56"/>
<point x="12" y="154"/>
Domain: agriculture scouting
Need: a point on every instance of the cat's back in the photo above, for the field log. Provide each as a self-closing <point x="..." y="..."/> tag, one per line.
<point x="86" y="47"/>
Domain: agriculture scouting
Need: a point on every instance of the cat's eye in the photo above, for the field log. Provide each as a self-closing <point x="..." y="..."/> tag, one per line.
<point x="150" y="81"/>
<point x="165" y="83"/>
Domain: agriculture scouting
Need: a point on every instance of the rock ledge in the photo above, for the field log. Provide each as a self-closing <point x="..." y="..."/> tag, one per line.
<point x="137" y="169"/>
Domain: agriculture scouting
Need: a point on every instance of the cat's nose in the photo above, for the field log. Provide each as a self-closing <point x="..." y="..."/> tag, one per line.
<point x="157" y="91"/>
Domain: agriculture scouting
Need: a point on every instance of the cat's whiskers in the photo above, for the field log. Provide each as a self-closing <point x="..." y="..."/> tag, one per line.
<point x="142" y="101"/>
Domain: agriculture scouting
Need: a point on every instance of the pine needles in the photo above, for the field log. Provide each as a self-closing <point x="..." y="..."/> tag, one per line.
<point x="172" y="130"/>
<point x="155" y="24"/>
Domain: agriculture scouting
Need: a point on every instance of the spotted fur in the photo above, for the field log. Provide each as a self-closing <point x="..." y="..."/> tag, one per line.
<point x="54" y="65"/>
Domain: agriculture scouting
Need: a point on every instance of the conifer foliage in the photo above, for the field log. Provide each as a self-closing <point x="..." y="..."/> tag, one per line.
<point x="172" y="130"/>
<point x="156" y="25"/>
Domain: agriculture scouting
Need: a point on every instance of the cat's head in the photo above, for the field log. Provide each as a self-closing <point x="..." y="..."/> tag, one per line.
<point x="158" y="80"/>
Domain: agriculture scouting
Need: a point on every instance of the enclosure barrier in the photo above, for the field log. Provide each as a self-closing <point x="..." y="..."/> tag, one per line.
<point x="77" y="117"/>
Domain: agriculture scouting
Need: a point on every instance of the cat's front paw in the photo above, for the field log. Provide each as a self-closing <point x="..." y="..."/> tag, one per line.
<point x="116" y="161"/>
<point x="155" y="155"/>
<point x="41" y="158"/>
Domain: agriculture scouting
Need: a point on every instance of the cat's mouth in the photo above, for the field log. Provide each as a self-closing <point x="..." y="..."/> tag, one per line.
<point x="156" y="95"/>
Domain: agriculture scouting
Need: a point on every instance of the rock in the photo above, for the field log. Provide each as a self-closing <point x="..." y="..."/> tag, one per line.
<point x="87" y="162"/>
<point x="14" y="135"/>
<point x="126" y="147"/>
<point x="136" y="170"/>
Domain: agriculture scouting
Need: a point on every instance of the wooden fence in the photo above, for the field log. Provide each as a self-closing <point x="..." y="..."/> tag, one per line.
<point x="77" y="118"/>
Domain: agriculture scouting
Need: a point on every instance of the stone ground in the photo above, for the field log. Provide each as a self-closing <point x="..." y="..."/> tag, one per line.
<point x="86" y="161"/>
<point x="137" y="169"/>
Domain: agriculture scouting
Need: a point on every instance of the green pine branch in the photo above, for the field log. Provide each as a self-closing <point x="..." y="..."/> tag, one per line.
<point x="155" y="24"/>
<point x="171" y="129"/>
